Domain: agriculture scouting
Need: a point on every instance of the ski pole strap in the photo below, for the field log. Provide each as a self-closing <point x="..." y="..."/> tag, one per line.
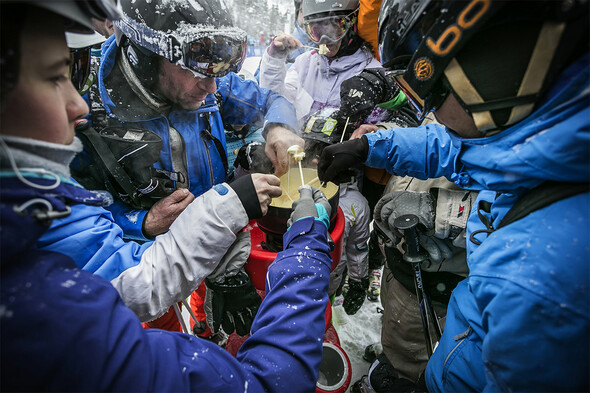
<point x="540" y="197"/>
<point x="102" y="154"/>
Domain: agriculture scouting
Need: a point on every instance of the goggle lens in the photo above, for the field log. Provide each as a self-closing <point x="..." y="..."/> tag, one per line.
<point x="333" y="28"/>
<point x="430" y="103"/>
<point x="79" y="67"/>
<point x="215" y="56"/>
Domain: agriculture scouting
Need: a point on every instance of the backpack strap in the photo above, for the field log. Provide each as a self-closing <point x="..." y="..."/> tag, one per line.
<point x="540" y="197"/>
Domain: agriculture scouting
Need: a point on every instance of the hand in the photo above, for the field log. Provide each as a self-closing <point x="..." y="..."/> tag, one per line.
<point x="336" y="160"/>
<point x="164" y="212"/>
<point x="278" y="140"/>
<point x="267" y="187"/>
<point x="438" y="249"/>
<point x="398" y="203"/>
<point x="234" y="303"/>
<point x="355" y="296"/>
<point x="282" y="45"/>
<point x="363" y="129"/>
<point x="308" y="205"/>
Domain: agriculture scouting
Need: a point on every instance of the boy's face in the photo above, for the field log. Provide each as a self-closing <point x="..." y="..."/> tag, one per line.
<point x="44" y="104"/>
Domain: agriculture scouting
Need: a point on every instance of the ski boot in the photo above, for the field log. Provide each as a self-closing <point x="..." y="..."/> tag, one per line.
<point x="362" y="386"/>
<point x="372" y="351"/>
<point x="374" y="285"/>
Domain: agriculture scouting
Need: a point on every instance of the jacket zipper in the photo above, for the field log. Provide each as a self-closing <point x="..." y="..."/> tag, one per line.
<point x="460" y="337"/>
<point x="208" y="134"/>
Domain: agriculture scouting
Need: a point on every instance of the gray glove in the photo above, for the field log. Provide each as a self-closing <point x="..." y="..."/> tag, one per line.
<point x="398" y="203"/>
<point x="421" y="204"/>
<point x="305" y="206"/>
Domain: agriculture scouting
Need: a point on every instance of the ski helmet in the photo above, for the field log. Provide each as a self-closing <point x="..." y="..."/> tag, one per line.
<point x="198" y="35"/>
<point x="77" y="18"/>
<point x="469" y="49"/>
<point x="329" y="21"/>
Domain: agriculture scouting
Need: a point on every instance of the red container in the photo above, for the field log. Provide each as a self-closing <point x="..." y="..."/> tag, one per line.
<point x="260" y="259"/>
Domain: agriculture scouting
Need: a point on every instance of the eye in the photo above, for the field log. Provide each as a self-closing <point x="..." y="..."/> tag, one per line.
<point x="57" y="79"/>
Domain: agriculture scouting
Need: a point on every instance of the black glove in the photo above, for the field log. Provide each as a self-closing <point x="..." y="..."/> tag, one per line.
<point x="336" y="160"/>
<point x="361" y="93"/>
<point x="355" y="296"/>
<point x="234" y="303"/>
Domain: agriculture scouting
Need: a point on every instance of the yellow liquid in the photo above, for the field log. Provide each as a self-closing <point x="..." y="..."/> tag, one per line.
<point x="291" y="181"/>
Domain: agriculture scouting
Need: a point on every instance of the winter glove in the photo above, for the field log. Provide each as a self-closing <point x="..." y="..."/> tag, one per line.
<point x="336" y="160"/>
<point x="231" y="300"/>
<point x="234" y="303"/>
<point x="355" y="296"/>
<point x="361" y="93"/>
<point x="422" y="205"/>
<point x="311" y="203"/>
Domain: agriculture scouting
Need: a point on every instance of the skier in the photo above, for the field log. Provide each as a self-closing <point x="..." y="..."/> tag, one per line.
<point x="519" y="320"/>
<point x="149" y="95"/>
<point x="64" y="329"/>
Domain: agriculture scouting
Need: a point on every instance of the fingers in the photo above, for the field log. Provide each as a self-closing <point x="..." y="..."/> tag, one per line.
<point x="363" y="129"/>
<point x="278" y="140"/>
<point x="267" y="187"/>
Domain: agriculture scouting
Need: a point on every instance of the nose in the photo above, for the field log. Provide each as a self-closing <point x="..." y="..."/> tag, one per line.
<point x="208" y="84"/>
<point x="76" y="106"/>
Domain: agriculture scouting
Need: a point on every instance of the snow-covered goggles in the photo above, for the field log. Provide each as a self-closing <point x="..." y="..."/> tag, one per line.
<point x="210" y="53"/>
<point x="329" y="29"/>
<point x="215" y="55"/>
<point x="79" y="67"/>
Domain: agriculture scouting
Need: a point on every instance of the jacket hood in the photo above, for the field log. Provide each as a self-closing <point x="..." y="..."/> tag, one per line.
<point x="553" y="143"/>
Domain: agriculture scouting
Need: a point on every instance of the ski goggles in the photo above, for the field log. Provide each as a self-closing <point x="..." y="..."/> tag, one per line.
<point x="431" y="102"/>
<point x="214" y="56"/>
<point x="79" y="69"/>
<point x="329" y="29"/>
<point x="209" y="53"/>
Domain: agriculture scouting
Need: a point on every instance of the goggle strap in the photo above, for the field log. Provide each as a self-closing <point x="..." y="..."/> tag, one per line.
<point x="139" y="32"/>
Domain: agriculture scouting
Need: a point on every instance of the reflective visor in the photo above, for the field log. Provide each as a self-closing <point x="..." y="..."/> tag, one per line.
<point x="79" y="67"/>
<point x="330" y="28"/>
<point x="413" y="98"/>
<point x="215" y="55"/>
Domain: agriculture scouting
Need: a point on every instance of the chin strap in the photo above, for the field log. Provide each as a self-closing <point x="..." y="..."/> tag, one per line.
<point x="532" y="82"/>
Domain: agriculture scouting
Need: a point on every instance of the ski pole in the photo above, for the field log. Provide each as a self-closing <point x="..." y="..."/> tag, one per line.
<point x="414" y="255"/>
<point x="180" y="319"/>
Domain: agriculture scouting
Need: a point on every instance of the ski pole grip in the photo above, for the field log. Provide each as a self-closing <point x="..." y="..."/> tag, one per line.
<point x="408" y="225"/>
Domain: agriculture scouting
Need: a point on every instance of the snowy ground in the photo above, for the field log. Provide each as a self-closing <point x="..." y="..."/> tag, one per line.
<point x="356" y="332"/>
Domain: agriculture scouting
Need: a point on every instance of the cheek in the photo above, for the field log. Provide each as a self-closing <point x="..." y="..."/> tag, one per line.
<point x="30" y="113"/>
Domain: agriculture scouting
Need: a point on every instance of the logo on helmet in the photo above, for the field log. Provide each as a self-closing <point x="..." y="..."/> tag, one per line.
<point x="423" y="69"/>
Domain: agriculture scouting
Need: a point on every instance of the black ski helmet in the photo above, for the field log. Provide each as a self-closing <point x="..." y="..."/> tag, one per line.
<point x="77" y="19"/>
<point x="198" y="35"/>
<point x="496" y="57"/>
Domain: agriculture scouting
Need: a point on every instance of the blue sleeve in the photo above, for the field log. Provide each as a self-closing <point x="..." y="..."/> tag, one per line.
<point x="244" y="102"/>
<point x="91" y="238"/>
<point x="423" y="152"/>
<point x="290" y="325"/>
<point x="129" y="219"/>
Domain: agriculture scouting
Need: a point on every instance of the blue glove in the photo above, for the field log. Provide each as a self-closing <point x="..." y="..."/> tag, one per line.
<point x="311" y="203"/>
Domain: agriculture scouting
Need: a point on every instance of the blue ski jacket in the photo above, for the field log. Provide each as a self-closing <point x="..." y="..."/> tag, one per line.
<point x="243" y="102"/>
<point x="520" y="321"/>
<point x="64" y="329"/>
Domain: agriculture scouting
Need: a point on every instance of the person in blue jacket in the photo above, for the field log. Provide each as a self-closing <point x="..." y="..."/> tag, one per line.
<point x="511" y="83"/>
<point x="182" y="97"/>
<point x="65" y="329"/>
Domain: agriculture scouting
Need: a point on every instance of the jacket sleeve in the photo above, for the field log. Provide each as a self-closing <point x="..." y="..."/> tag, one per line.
<point x="289" y="327"/>
<point x="422" y="152"/>
<point x="152" y="276"/>
<point x="83" y="326"/>
<point x="244" y="102"/>
<point x="129" y="219"/>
